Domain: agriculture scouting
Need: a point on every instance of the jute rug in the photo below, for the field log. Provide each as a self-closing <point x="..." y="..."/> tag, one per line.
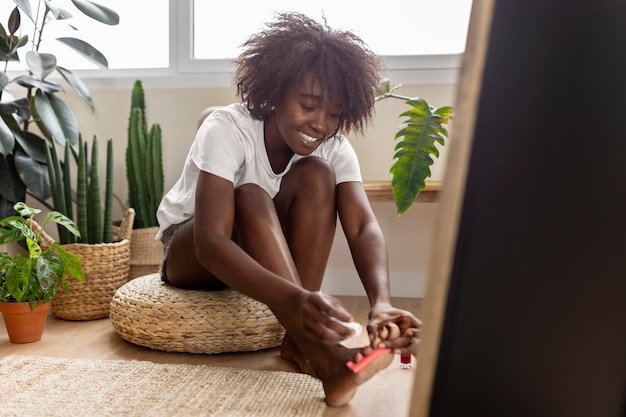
<point x="33" y="385"/>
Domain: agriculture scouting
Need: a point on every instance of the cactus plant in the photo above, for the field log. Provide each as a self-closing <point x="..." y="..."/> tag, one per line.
<point x="92" y="217"/>
<point x="144" y="162"/>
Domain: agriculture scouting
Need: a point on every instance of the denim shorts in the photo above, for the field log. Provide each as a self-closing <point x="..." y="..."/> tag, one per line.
<point x="166" y="238"/>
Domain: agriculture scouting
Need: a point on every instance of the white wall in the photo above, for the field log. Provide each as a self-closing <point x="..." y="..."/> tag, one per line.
<point x="177" y="110"/>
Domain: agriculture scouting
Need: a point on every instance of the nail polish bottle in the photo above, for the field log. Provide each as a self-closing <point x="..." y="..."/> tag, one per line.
<point x="405" y="361"/>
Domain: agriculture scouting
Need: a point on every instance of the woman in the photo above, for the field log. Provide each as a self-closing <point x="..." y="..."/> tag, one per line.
<point x="256" y="206"/>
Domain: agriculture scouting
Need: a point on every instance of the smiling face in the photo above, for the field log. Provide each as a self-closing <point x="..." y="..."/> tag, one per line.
<point x="302" y="120"/>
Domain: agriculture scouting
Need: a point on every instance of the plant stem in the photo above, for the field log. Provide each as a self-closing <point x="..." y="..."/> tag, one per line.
<point x="392" y="95"/>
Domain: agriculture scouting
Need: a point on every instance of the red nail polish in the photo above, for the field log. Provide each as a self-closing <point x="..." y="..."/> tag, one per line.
<point x="405" y="361"/>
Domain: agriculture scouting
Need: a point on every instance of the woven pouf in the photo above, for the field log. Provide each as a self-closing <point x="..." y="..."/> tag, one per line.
<point x="148" y="313"/>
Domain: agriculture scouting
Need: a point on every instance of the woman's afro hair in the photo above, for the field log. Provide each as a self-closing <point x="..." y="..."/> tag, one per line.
<point x="294" y="45"/>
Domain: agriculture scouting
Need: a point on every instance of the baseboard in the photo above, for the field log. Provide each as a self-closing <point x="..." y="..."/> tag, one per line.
<point x="403" y="284"/>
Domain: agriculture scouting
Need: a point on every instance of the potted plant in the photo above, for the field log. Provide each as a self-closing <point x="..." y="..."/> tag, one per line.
<point x="144" y="173"/>
<point x="422" y="129"/>
<point x="29" y="284"/>
<point x="105" y="255"/>
<point x="23" y="163"/>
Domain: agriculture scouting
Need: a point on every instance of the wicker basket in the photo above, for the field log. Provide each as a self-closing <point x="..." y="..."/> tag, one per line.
<point x="146" y="252"/>
<point x="105" y="266"/>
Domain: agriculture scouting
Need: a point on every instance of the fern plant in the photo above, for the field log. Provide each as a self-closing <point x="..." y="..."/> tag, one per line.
<point x="421" y="131"/>
<point x="144" y="162"/>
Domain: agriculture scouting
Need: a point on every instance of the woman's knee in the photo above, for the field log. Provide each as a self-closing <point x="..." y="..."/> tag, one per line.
<point x="311" y="174"/>
<point x="251" y="198"/>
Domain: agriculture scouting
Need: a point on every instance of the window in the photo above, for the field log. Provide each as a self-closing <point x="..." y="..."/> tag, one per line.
<point x="401" y="27"/>
<point x="136" y="42"/>
<point x="187" y="42"/>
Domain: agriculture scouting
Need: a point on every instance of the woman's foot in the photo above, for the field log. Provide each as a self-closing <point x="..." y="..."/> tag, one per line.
<point x="339" y="382"/>
<point x="290" y="351"/>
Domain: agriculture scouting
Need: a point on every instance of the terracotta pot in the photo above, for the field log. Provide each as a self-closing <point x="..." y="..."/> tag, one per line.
<point x="24" y="324"/>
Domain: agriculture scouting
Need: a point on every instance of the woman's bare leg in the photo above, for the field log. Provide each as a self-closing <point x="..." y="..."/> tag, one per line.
<point x="291" y="236"/>
<point x="305" y="208"/>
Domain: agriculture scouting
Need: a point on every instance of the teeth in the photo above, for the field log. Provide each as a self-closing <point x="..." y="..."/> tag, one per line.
<point x="308" y="138"/>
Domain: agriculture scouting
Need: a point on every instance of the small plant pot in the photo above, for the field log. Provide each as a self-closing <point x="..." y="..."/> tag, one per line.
<point x="105" y="266"/>
<point x="25" y="324"/>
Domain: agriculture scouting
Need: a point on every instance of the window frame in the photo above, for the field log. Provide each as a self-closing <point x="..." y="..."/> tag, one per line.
<point x="185" y="71"/>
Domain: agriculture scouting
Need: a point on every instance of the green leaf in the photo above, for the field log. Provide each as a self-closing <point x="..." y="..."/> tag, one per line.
<point x="81" y="190"/>
<point x="33" y="174"/>
<point x="30" y="81"/>
<point x="108" y="195"/>
<point x="4" y="80"/>
<point x="77" y="84"/>
<point x="94" y="202"/>
<point x="25" y="6"/>
<point x="25" y="211"/>
<point x="33" y="145"/>
<point x="15" y="20"/>
<point x="11" y="230"/>
<point x="18" y="286"/>
<point x="54" y="118"/>
<point x="40" y="64"/>
<point x="72" y="262"/>
<point x="57" y="12"/>
<point x="63" y="220"/>
<point x="17" y="108"/>
<point x="7" y="139"/>
<point x="97" y="12"/>
<point x="86" y="50"/>
<point x="11" y="187"/>
<point x="34" y="250"/>
<point x="413" y="156"/>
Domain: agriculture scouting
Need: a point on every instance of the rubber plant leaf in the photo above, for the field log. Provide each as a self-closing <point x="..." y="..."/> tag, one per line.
<point x="15" y="19"/>
<point x="97" y="12"/>
<point x="423" y="128"/>
<point x="41" y="65"/>
<point x="77" y="84"/>
<point x="33" y="145"/>
<point x="57" y="12"/>
<point x="7" y="138"/>
<point x="54" y="118"/>
<point x="86" y="50"/>
<point x="33" y="174"/>
<point x="10" y="53"/>
<point x="17" y="108"/>
<point x="11" y="187"/>
<point x="25" y="6"/>
<point x="30" y="81"/>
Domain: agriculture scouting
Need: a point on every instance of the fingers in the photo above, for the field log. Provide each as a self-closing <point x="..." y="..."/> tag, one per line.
<point x="405" y="345"/>
<point x="391" y="336"/>
<point x="324" y="315"/>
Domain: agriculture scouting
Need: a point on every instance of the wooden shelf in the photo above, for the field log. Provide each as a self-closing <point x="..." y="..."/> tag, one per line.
<point x="380" y="191"/>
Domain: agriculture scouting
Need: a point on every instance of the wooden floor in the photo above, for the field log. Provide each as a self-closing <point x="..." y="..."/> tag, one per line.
<point x="387" y="394"/>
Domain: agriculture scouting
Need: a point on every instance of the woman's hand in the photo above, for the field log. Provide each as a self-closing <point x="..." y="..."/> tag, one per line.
<point x="405" y="341"/>
<point x="320" y="315"/>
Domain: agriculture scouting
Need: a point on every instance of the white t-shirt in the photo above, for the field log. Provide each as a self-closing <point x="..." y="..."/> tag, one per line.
<point x="230" y="144"/>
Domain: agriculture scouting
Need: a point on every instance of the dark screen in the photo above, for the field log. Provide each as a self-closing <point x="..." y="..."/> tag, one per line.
<point x="536" y="315"/>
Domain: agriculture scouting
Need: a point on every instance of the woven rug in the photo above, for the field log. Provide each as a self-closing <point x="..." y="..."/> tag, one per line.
<point x="34" y="385"/>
